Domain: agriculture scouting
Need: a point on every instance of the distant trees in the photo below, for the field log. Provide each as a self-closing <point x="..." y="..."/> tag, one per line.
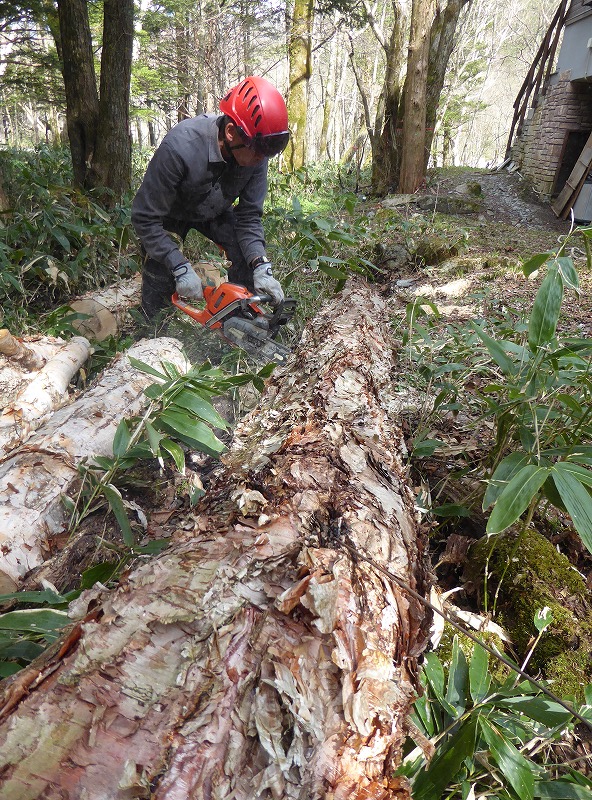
<point x="353" y="72"/>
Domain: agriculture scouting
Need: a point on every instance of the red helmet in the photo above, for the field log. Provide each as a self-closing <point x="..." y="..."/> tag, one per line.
<point x="259" y="110"/>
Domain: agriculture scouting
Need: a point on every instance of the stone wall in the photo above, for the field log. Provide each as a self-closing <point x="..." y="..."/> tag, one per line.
<point x="566" y="106"/>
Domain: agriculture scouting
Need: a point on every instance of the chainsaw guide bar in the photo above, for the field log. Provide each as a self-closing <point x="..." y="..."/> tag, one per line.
<point x="236" y="314"/>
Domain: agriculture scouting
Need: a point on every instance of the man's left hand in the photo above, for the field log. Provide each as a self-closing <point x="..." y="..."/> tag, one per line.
<point x="265" y="283"/>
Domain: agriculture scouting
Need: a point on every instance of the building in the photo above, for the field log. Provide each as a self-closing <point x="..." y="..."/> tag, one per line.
<point x="551" y="136"/>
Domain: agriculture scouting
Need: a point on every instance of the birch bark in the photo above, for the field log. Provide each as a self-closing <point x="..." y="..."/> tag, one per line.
<point x="34" y="477"/>
<point x="260" y="656"/>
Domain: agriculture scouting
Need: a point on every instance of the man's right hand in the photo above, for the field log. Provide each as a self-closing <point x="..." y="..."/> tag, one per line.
<point x="187" y="282"/>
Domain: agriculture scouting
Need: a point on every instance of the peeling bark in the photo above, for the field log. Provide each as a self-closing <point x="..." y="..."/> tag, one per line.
<point x="260" y="656"/>
<point x="33" y="478"/>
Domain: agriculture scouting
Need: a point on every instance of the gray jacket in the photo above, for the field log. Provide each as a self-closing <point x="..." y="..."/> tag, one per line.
<point x="187" y="181"/>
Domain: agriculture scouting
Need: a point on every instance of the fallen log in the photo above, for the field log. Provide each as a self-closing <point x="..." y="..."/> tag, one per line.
<point x="106" y="310"/>
<point x="260" y="656"/>
<point x="46" y="391"/>
<point x="34" y="477"/>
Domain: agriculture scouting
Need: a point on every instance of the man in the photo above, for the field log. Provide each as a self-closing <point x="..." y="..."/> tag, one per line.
<point x="200" y="169"/>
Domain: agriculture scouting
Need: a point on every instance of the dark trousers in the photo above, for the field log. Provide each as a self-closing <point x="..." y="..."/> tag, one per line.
<point x="158" y="285"/>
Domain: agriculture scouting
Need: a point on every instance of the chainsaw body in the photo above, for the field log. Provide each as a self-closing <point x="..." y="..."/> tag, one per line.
<point x="237" y="314"/>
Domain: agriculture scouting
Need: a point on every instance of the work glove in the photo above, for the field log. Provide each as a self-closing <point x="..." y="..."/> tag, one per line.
<point x="187" y="282"/>
<point x="265" y="283"/>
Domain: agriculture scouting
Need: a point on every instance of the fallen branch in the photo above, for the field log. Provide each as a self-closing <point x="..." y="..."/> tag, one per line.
<point x="47" y="390"/>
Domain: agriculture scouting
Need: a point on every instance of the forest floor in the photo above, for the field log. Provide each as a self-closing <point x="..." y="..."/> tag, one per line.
<point x="494" y="233"/>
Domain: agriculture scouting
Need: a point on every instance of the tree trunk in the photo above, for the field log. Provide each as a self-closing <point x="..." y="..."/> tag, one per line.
<point x="328" y="98"/>
<point x="33" y="478"/>
<point x="386" y="146"/>
<point x="82" y="101"/>
<point x="414" y="98"/>
<point x="98" y="130"/>
<point x="112" y="165"/>
<point x="106" y="310"/>
<point x="442" y="41"/>
<point x="299" y="50"/>
<point x="261" y="656"/>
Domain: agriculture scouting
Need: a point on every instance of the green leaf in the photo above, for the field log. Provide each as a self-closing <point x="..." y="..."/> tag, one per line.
<point x="195" y="434"/>
<point x="451" y="510"/>
<point x="576" y="498"/>
<point x="23" y="649"/>
<point x="458" y="679"/>
<point x="561" y="790"/>
<point x="34" y="620"/>
<point x="541" y="709"/>
<point x="543" y="618"/>
<point x="45" y="596"/>
<point x="115" y="501"/>
<point x="530" y="266"/>
<point x="202" y="408"/>
<point x="63" y="240"/>
<point x="100" y="573"/>
<point x="568" y="272"/>
<point x="103" y="462"/>
<point x="513" y="766"/>
<point x="446" y="763"/>
<point x="332" y="272"/>
<point x="583" y="475"/>
<point x="479" y="677"/>
<point x="496" y="351"/>
<point x="503" y="473"/>
<point x="425" y="447"/>
<point x="422" y="716"/>
<point x="142" y="367"/>
<point x="8" y="668"/>
<point x="516" y="497"/>
<point x="434" y="672"/>
<point x="154" y="437"/>
<point x="266" y="371"/>
<point x="174" y="450"/>
<point x="154" y="547"/>
<point x="121" y="439"/>
<point x="545" y="311"/>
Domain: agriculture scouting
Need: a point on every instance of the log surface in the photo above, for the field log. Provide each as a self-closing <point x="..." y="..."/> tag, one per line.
<point x="33" y="477"/>
<point x="260" y="656"/>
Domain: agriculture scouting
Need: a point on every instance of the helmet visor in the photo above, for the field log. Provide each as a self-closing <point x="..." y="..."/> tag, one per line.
<point x="268" y="146"/>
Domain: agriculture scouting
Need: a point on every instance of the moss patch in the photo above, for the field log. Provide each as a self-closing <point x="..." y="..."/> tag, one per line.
<point x="538" y="576"/>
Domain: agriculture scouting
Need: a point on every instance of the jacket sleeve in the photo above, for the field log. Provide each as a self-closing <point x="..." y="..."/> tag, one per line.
<point x="153" y="203"/>
<point x="248" y="213"/>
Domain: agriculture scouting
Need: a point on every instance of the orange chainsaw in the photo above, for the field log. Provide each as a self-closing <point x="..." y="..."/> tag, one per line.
<point x="236" y="313"/>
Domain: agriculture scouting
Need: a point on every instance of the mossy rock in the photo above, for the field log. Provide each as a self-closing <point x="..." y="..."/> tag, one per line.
<point x="497" y="669"/>
<point x="537" y="576"/>
<point x="432" y="250"/>
<point x="449" y="204"/>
